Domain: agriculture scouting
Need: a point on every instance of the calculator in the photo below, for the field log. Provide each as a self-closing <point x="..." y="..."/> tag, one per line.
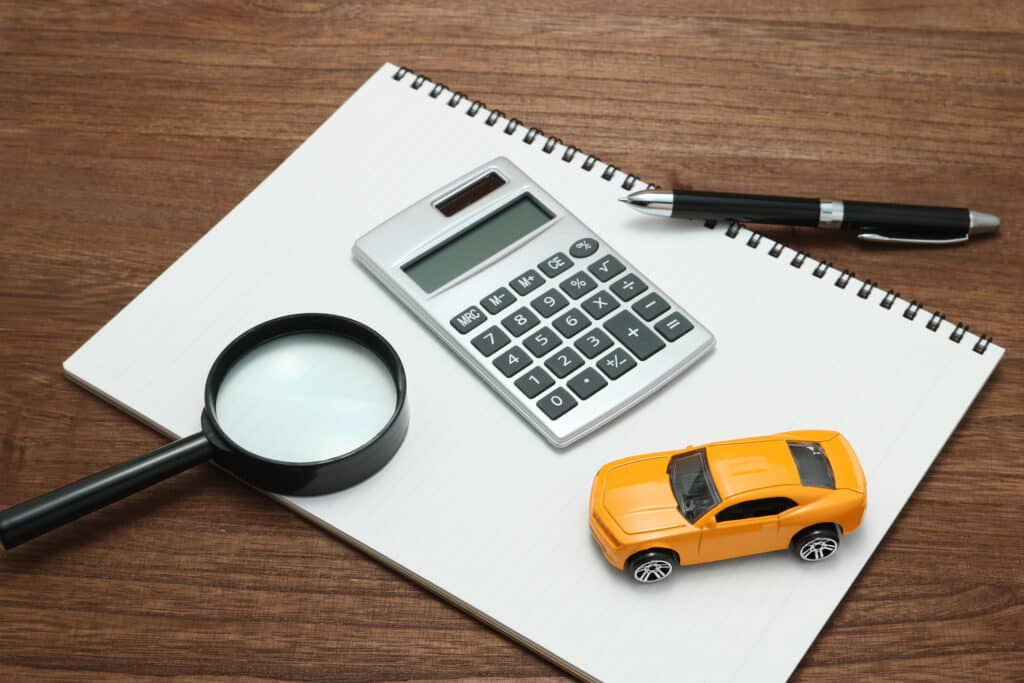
<point x="546" y="312"/>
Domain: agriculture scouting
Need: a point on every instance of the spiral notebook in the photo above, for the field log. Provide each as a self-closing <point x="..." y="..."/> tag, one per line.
<point x="477" y="506"/>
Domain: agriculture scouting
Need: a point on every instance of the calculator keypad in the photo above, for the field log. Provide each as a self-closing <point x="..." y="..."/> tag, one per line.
<point x="606" y="267"/>
<point x="490" y="340"/>
<point x="634" y="335"/>
<point x="586" y="383"/>
<point x="650" y="306"/>
<point x="534" y="382"/>
<point x="564" y="362"/>
<point x="468" y="319"/>
<point x="628" y="287"/>
<point x="583" y="248"/>
<point x="549" y="303"/>
<point x="571" y="323"/>
<point x="577" y="351"/>
<point x="599" y="305"/>
<point x="541" y="343"/>
<point x="593" y="342"/>
<point x="520" y="321"/>
<point x="512" y="362"/>
<point x="554" y="264"/>
<point x="527" y="282"/>
<point x="616" y="364"/>
<point x="498" y="300"/>
<point x="578" y="284"/>
<point x="673" y="326"/>
<point x="557" y="403"/>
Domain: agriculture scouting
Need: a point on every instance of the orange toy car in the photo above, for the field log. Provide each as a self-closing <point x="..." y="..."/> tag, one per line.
<point x="801" y="490"/>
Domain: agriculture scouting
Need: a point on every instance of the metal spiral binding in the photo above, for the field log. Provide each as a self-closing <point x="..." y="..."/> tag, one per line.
<point x="569" y="153"/>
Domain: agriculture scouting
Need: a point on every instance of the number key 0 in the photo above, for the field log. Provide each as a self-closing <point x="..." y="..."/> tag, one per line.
<point x="557" y="403"/>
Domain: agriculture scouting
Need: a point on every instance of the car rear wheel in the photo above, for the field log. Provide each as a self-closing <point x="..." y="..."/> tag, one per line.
<point x="651" y="566"/>
<point x="815" y="545"/>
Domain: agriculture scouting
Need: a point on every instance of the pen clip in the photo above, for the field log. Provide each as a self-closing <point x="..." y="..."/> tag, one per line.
<point x="876" y="237"/>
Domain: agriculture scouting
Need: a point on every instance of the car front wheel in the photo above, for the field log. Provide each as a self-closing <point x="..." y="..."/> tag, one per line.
<point x="815" y="545"/>
<point x="651" y="566"/>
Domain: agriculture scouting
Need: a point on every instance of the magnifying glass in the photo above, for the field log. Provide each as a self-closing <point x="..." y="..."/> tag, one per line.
<point x="301" y="405"/>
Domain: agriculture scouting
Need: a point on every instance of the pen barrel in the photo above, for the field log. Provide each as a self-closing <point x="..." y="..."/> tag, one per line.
<point x="744" y="207"/>
<point x="907" y="220"/>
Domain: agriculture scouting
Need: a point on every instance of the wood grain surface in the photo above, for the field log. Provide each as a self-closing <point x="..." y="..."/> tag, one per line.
<point x="128" y="129"/>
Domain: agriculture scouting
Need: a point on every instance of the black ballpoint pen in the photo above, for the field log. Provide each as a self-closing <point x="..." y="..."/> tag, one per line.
<point x="871" y="221"/>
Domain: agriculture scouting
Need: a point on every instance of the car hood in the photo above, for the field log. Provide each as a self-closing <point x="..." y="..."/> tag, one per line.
<point x="638" y="497"/>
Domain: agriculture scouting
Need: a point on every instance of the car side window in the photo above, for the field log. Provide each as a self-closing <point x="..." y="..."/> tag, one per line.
<point x="762" y="507"/>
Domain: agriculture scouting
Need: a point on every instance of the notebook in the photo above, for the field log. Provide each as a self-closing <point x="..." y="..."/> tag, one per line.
<point x="477" y="506"/>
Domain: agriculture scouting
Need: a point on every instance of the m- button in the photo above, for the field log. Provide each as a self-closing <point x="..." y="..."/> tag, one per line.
<point x="497" y="300"/>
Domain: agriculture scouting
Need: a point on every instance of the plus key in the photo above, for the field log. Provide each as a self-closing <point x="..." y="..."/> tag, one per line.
<point x="634" y="335"/>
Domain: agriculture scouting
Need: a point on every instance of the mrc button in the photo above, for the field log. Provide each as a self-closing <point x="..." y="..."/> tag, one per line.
<point x="468" y="319"/>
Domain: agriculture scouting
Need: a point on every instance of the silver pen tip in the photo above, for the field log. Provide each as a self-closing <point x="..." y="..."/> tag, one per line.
<point x="653" y="202"/>
<point x="982" y="223"/>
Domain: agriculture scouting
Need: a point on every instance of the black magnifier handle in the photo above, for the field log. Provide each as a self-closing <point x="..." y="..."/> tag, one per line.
<point x="47" y="512"/>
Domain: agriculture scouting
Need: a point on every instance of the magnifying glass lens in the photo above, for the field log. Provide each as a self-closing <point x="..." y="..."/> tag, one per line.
<point x="305" y="397"/>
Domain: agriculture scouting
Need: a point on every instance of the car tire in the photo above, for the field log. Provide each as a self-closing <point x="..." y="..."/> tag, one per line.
<point x="817" y="544"/>
<point x="651" y="566"/>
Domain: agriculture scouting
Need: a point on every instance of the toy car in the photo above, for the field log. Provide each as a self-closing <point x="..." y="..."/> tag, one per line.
<point x="802" y="490"/>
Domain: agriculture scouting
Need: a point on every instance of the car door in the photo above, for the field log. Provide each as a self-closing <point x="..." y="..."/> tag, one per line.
<point x="748" y="527"/>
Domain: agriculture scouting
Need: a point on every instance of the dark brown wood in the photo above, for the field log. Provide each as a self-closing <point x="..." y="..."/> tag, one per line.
<point x="128" y="129"/>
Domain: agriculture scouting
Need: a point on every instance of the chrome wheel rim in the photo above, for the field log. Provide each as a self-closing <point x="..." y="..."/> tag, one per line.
<point x="818" y="549"/>
<point x="652" y="571"/>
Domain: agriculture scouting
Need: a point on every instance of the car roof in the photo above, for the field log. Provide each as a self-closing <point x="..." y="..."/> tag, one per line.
<point x="742" y="466"/>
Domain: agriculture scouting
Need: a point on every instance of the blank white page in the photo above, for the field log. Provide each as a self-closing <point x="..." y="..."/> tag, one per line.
<point x="476" y="505"/>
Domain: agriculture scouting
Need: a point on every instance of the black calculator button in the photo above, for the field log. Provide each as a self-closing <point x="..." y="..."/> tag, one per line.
<point x="468" y="319"/>
<point x="606" y="267"/>
<point x="593" y="342"/>
<point x="616" y="364"/>
<point x="578" y="284"/>
<point x="599" y="305"/>
<point x="557" y="403"/>
<point x="650" y="306"/>
<point x="527" y="282"/>
<point x="549" y="303"/>
<point x="673" y="326"/>
<point x="571" y="323"/>
<point x="628" y="287"/>
<point x="512" y="361"/>
<point x="583" y="248"/>
<point x="587" y="383"/>
<point x="490" y="340"/>
<point x="534" y="382"/>
<point x="520" y="321"/>
<point x="541" y="342"/>
<point x="555" y="264"/>
<point x="634" y="335"/>
<point x="497" y="300"/>
<point x="564" y="362"/>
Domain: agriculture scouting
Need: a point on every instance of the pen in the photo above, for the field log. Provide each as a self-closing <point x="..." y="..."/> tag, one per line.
<point x="872" y="221"/>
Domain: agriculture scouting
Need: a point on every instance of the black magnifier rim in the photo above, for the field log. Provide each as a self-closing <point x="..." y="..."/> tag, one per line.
<point x="315" y="477"/>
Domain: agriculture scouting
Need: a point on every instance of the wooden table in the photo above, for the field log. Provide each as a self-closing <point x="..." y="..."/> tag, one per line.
<point x="127" y="130"/>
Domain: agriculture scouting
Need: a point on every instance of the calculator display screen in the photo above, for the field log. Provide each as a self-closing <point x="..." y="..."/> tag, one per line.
<point x="478" y="243"/>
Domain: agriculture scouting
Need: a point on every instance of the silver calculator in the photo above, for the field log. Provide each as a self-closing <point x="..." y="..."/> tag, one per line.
<point x="547" y="313"/>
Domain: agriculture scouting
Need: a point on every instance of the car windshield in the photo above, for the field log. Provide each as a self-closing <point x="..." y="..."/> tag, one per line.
<point x="692" y="485"/>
